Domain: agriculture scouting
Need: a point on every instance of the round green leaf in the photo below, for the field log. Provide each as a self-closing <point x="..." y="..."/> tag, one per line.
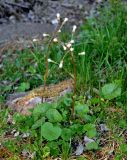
<point x="53" y="115"/>
<point x="40" y="110"/>
<point x="111" y="90"/>
<point x="90" y="130"/>
<point x="91" y="146"/>
<point x="81" y="109"/>
<point x="50" y="132"/>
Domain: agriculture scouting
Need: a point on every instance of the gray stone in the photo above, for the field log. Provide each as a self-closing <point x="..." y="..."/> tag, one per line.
<point x="12" y="19"/>
<point x="79" y="149"/>
<point x="88" y="140"/>
<point x="54" y="22"/>
<point x="104" y="128"/>
<point x="34" y="101"/>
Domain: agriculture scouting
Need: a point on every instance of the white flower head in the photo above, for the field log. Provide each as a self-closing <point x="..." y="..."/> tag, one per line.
<point x="45" y="35"/>
<point x="71" y="49"/>
<point x="64" y="48"/>
<point x="72" y="41"/>
<point x="65" y="20"/>
<point x="58" y="16"/>
<point x="35" y="40"/>
<point x="81" y="54"/>
<point x="50" y="60"/>
<point x="59" y="31"/>
<point x="61" y="64"/>
<point x="68" y="45"/>
<point x="55" y="40"/>
<point x="74" y="29"/>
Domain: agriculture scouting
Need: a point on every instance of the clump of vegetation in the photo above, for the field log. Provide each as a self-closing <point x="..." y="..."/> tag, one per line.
<point x="100" y="125"/>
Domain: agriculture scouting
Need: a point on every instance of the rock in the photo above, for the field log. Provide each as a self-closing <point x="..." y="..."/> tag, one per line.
<point x="99" y="1"/>
<point x="31" y="15"/>
<point x="25" y="153"/>
<point x="28" y="155"/>
<point x="20" y="30"/>
<point x="25" y="135"/>
<point x="30" y="104"/>
<point x="3" y="20"/>
<point x="14" y="96"/>
<point x="68" y="90"/>
<point x="54" y="22"/>
<point x="13" y="131"/>
<point x="23" y="102"/>
<point x="34" y="101"/>
<point x="12" y="19"/>
<point x="88" y="140"/>
<point x="10" y="119"/>
<point x="79" y="149"/>
<point x="16" y="134"/>
<point x="103" y="128"/>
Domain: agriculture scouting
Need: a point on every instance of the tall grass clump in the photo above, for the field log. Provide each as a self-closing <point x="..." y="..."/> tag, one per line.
<point x="104" y="40"/>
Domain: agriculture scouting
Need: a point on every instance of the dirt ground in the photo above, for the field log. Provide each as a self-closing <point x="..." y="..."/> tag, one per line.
<point x="31" y="18"/>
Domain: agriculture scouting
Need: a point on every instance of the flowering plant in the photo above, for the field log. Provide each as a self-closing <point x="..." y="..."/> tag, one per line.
<point x="68" y="49"/>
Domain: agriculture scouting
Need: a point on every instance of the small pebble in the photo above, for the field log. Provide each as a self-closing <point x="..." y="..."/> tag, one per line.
<point x="79" y="149"/>
<point x="103" y="128"/>
<point x="54" y="22"/>
<point x="25" y="135"/>
<point x="16" y="134"/>
<point x="88" y="140"/>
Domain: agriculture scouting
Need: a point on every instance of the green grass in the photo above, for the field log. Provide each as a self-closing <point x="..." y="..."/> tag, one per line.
<point x="104" y="39"/>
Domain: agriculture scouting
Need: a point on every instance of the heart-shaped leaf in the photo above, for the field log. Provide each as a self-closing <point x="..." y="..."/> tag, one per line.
<point x="53" y="115"/>
<point x="81" y="109"/>
<point x="40" y="110"/>
<point x="90" y="130"/>
<point x="50" y="132"/>
<point x="111" y="90"/>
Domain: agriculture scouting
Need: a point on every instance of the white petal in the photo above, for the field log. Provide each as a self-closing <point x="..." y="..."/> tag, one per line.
<point x="81" y="54"/>
<point x="58" y="16"/>
<point x="71" y="49"/>
<point x="69" y="45"/>
<point x="61" y="64"/>
<point x="65" y="20"/>
<point x="74" y="28"/>
<point x="72" y="41"/>
<point x="35" y="40"/>
<point x="45" y="35"/>
<point x="49" y="60"/>
<point x="65" y="48"/>
<point x="55" y="40"/>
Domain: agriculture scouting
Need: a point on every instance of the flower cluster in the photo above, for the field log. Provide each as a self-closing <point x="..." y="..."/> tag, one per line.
<point x="67" y="47"/>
